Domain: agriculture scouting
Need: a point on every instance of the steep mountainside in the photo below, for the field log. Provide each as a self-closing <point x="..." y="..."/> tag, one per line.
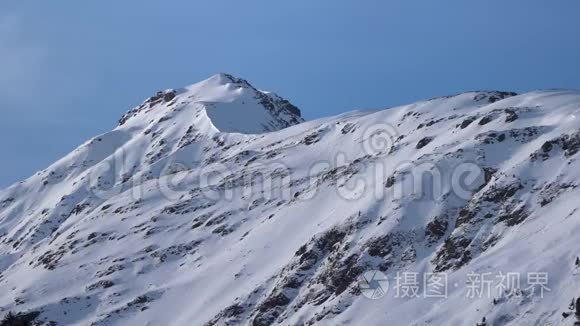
<point x="217" y="204"/>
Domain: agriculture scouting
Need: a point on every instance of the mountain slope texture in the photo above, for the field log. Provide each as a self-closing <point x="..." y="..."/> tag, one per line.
<point x="217" y="204"/>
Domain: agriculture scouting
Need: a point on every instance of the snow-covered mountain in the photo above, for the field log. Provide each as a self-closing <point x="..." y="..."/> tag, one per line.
<point x="216" y="204"/>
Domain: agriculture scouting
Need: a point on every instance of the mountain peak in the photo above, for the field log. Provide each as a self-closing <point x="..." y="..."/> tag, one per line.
<point x="228" y="104"/>
<point x="225" y="78"/>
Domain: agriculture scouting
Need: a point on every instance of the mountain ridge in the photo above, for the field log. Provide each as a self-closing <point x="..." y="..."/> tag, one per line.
<point x="169" y="219"/>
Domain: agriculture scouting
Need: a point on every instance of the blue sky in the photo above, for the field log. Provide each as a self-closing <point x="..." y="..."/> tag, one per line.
<point x="69" y="69"/>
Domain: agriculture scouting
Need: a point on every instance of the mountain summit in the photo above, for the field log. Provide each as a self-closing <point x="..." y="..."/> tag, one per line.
<point x="220" y="103"/>
<point x="216" y="204"/>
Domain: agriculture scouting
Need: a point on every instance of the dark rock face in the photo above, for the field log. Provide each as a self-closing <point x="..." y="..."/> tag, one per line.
<point x="514" y="217"/>
<point x="485" y="120"/>
<point x="569" y="144"/>
<point x="348" y="128"/>
<point x="390" y="182"/>
<point x="453" y="254"/>
<point x="547" y="147"/>
<point x="312" y="139"/>
<point x="499" y="194"/>
<point x="229" y="316"/>
<point x="436" y="228"/>
<point x="494" y="96"/>
<point x="104" y="284"/>
<point x="20" y="319"/>
<point x="159" y="97"/>
<point x="467" y="122"/>
<point x="552" y="191"/>
<point x="268" y="312"/>
<point x="424" y="142"/>
<point x="6" y="202"/>
<point x="511" y="115"/>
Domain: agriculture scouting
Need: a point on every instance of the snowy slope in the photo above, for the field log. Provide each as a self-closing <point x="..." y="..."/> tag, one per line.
<point x="217" y="205"/>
